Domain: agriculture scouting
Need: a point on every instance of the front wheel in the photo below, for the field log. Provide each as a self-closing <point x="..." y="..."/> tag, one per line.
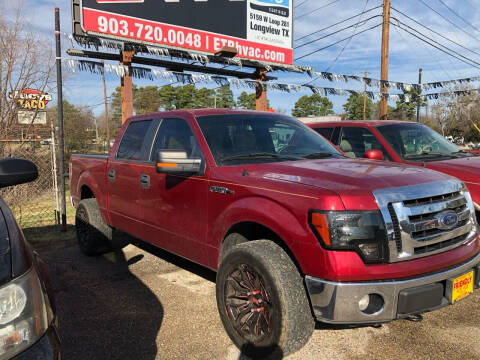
<point x="93" y="235"/>
<point x="262" y="301"/>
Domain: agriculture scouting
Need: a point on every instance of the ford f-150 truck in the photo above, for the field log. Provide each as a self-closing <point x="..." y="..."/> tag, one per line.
<point x="295" y="230"/>
<point x="405" y="142"/>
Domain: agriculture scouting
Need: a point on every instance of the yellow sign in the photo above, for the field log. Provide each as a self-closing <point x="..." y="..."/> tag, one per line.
<point x="462" y="286"/>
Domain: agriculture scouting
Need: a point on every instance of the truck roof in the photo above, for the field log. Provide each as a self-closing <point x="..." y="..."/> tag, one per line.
<point x="200" y="112"/>
<point x="373" y="123"/>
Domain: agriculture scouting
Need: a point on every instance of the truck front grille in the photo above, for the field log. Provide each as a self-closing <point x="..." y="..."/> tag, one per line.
<point x="414" y="218"/>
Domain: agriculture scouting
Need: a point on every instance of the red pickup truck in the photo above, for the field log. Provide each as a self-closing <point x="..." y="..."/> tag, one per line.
<point x="295" y="230"/>
<point x="405" y="142"/>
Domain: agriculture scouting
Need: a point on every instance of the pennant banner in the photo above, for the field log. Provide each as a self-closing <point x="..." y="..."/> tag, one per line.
<point x="185" y="78"/>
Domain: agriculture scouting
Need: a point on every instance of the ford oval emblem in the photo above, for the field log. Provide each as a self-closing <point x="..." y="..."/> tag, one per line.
<point x="446" y="220"/>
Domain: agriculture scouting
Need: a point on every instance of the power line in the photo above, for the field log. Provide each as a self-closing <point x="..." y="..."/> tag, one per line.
<point x="336" y="32"/>
<point x="335" y="43"/>
<point x="314" y="10"/>
<point x="338" y="23"/>
<point x="348" y="42"/>
<point x="436" y="42"/>
<point x="459" y="16"/>
<point x="437" y="47"/>
<point x="436" y="32"/>
<point x="448" y="20"/>
<point x="303" y="2"/>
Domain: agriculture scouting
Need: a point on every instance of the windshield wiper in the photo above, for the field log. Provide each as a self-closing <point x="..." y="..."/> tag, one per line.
<point x="259" y="156"/>
<point x="318" y="155"/>
<point x="425" y="153"/>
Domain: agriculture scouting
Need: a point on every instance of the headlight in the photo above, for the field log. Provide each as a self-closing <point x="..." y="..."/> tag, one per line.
<point x="360" y="231"/>
<point x="23" y="315"/>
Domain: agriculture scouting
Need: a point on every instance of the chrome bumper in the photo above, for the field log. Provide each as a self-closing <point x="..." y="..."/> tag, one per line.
<point x="338" y="302"/>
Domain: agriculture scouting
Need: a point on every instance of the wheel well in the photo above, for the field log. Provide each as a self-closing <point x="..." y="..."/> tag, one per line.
<point x="254" y="231"/>
<point x="86" y="193"/>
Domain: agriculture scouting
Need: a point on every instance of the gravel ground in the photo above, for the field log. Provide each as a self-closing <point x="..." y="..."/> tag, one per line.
<point x="142" y="303"/>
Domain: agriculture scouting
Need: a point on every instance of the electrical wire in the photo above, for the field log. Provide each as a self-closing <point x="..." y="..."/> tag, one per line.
<point x="338" y="23"/>
<point x="348" y="42"/>
<point x="335" y="43"/>
<point x="315" y="10"/>
<point x="303" y="2"/>
<point x="448" y="20"/>
<point x="436" y="32"/>
<point x="336" y="32"/>
<point x="459" y="16"/>
<point x="437" y="47"/>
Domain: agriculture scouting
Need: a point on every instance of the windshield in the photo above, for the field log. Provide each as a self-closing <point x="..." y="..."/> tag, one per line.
<point x="255" y="138"/>
<point x="418" y="142"/>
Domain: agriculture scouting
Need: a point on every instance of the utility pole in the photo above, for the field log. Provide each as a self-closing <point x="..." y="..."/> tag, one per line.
<point x="419" y="100"/>
<point x="385" y="50"/>
<point x="365" y="97"/>
<point x="106" y="107"/>
<point x="61" y="145"/>
<point x="127" y="86"/>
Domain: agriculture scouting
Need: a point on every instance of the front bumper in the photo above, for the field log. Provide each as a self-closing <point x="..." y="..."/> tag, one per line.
<point x="47" y="348"/>
<point x="338" y="302"/>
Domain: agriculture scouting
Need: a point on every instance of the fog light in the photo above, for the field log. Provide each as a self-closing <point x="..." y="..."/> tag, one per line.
<point x="371" y="304"/>
<point x="363" y="303"/>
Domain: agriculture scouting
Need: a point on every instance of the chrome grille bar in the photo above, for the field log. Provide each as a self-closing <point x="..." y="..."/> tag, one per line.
<point x="412" y="214"/>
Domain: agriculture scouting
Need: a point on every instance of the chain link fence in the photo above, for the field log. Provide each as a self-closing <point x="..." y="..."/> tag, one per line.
<point x="34" y="204"/>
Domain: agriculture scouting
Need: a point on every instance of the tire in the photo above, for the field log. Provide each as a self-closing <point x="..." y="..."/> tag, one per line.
<point x="93" y="235"/>
<point x="231" y="241"/>
<point x="262" y="301"/>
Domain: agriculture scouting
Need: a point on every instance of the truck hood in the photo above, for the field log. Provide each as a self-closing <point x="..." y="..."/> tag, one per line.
<point x="351" y="179"/>
<point x="465" y="169"/>
<point x="342" y="175"/>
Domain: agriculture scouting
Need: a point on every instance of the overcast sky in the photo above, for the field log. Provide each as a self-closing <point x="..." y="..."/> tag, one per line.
<point x="362" y="53"/>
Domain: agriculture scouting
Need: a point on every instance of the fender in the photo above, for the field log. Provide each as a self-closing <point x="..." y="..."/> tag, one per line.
<point x="87" y="179"/>
<point x="265" y="212"/>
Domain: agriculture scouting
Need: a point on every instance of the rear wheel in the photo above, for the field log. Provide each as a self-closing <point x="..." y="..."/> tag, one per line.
<point x="262" y="301"/>
<point x="93" y="235"/>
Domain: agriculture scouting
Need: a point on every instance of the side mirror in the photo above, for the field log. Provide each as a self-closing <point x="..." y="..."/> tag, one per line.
<point x="374" y="154"/>
<point x="176" y="161"/>
<point x="17" y="171"/>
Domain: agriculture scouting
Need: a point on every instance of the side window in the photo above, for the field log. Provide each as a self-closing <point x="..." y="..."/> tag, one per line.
<point x="326" y="132"/>
<point x="355" y="141"/>
<point x="175" y="134"/>
<point x="132" y="142"/>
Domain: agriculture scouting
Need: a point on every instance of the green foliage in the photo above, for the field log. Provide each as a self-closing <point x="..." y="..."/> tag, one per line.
<point x="407" y="110"/>
<point x="354" y="107"/>
<point x="225" y="97"/>
<point x="146" y="100"/>
<point x="314" y="105"/>
<point x="248" y="101"/>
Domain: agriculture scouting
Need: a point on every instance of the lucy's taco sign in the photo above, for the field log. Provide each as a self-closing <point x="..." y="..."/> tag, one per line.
<point x="30" y="99"/>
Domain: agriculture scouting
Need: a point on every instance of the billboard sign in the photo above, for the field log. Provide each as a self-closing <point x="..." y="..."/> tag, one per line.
<point x="259" y="29"/>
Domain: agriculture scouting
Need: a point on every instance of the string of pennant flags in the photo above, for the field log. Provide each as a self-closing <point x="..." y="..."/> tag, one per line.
<point x="110" y="44"/>
<point x="95" y="67"/>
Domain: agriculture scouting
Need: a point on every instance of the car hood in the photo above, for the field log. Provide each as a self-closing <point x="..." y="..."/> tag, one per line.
<point x="348" y="177"/>
<point x="465" y="169"/>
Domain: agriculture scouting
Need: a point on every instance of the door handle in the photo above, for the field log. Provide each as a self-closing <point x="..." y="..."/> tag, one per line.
<point x="111" y="175"/>
<point x="144" y="181"/>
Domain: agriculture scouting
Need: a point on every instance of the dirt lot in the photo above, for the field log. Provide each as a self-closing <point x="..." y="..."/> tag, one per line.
<point x="142" y="303"/>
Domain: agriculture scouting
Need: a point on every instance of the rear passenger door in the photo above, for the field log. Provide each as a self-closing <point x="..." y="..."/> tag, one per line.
<point x="123" y="176"/>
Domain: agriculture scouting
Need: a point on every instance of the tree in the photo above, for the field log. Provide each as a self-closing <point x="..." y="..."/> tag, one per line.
<point x="248" y="101"/>
<point x="354" y="107"/>
<point x="375" y="112"/>
<point x="407" y="107"/>
<point x="167" y="95"/>
<point x="25" y="62"/>
<point x="225" y="97"/>
<point x="146" y="100"/>
<point x="314" y="105"/>
<point x="204" y="98"/>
